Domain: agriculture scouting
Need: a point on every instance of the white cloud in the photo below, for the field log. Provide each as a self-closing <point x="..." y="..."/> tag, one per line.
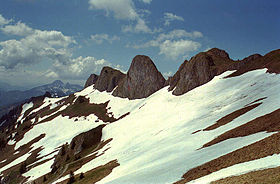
<point x="146" y="1"/>
<point x="37" y="46"/>
<point x="34" y="48"/>
<point x="174" y="44"/>
<point x="123" y="10"/>
<point x="80" y="67"/>
<point x="172" y="35"/>
<point x="18" y="29"/>
<point x="169" y="17"/>
<point x="138" y="27"/>
<point x="3" y="21"/>
<point x="100" y="38"/>
<point x="174" y="49"/>
<point x="51" y="74"/>
<point x="167" y="74"/>
<point x="179" y="33"/>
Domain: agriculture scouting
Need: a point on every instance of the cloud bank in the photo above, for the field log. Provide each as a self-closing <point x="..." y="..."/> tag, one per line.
<point x="34" y="46"/>
<point x="123" y="10"/>
<point x="175" y="43"/>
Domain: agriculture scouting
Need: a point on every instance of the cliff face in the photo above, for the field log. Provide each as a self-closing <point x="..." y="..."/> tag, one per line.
<point x="200" y="69"/>
<point x="271" y="61"/>
<point x="91" y="80"/>
<point x="108" y="79"/>
<point x="142" y="79"/>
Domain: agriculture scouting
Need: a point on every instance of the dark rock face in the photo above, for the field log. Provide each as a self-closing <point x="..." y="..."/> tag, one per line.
<point x="91" y="80"/>
<point x="271" y="61"/>
<point x="215" y="52"/>
<point x="87" y="139"/>
<point x="251" y="58"/>
<point x="79" y="143"/>
<point x="199" y="70"/>
<point x="109" y="78"/>
<point x="142" y="79"/>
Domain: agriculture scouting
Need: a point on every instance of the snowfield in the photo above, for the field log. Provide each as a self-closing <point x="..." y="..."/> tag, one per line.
<point x="155" y="142"/>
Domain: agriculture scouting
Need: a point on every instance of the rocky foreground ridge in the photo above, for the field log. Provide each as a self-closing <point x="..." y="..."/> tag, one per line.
<point x="143" y="78"/>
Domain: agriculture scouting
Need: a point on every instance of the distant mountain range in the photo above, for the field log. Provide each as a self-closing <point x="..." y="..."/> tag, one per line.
<point x="4" y="86"/>
<point x="11" y="98"/>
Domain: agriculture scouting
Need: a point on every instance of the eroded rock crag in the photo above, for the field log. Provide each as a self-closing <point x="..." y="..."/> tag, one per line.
<point x="91" y="80"/>
<point x="142" y="79"/>
<point x="199" y="70"/>
<point x="108" y="79"/>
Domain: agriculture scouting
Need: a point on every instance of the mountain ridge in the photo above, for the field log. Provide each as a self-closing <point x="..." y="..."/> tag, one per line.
<point x="57" y="88"/>
<point x="199" y="70"/>
<point x="224" y="127"/>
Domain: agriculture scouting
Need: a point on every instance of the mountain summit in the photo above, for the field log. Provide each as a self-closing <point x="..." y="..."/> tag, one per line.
<point x="141" y="80"/>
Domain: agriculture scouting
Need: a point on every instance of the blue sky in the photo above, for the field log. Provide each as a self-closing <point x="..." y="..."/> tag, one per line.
<point x="44" y="40"/>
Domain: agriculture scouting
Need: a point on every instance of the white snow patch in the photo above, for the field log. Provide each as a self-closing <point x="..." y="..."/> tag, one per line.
<point x="65" y="129"/>
<point x="45" y="158"/>
<point x="49" y="101"/>
<point x="15" y="162"/>
<point x="11" y="142"/>
<point x="25" y="107"/>
<point x="3" y="161"/>
<point x="17" y="152"/>
<point x="239" y="169"/>
<point x="39" y="170"/>
<point x="2" y="123"/>
<point x="155" y="144"/>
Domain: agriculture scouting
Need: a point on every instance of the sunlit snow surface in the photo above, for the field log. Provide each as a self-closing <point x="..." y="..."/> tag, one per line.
<point x="242" y="168"/>
<point x="154" y="143"/>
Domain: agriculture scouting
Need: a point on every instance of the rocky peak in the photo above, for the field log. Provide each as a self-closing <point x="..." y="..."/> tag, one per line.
<point x="251" y="58"/>
<point x="91" y="80"/>
<point x="199" y="70"/>
<point x="57" y="83"/>
<point x="142" y="79"/>
<point x="218" y="53"/>
<point x="271" y="61"/>
<point x="108" y="79"/>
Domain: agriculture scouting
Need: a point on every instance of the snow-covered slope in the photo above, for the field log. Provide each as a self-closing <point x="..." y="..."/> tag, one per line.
<point x="161" y="138"/>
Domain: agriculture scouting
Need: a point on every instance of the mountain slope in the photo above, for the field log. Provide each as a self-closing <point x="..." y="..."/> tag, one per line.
<point x="9" y="99"/>
<point x="227" y="126"/>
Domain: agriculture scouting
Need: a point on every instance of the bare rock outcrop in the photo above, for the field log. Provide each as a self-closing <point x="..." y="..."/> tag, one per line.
<point x="108" y="79"/>
<point x="199" y="70"/>
<point x="142" y="79"/>
<point x="251" y="58"/>
<point x="91" y="80"/>
<point x="271" y="61"/>
<point x="90" y="139"/>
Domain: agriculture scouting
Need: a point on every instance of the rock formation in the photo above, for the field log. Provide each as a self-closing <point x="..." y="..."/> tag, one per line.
<point x="199" y="70"/>
<point x="108" y="79"/>
<point x="91" y="80"/>
<point x="270" y="61"/>
<point x="142" y="79"/>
